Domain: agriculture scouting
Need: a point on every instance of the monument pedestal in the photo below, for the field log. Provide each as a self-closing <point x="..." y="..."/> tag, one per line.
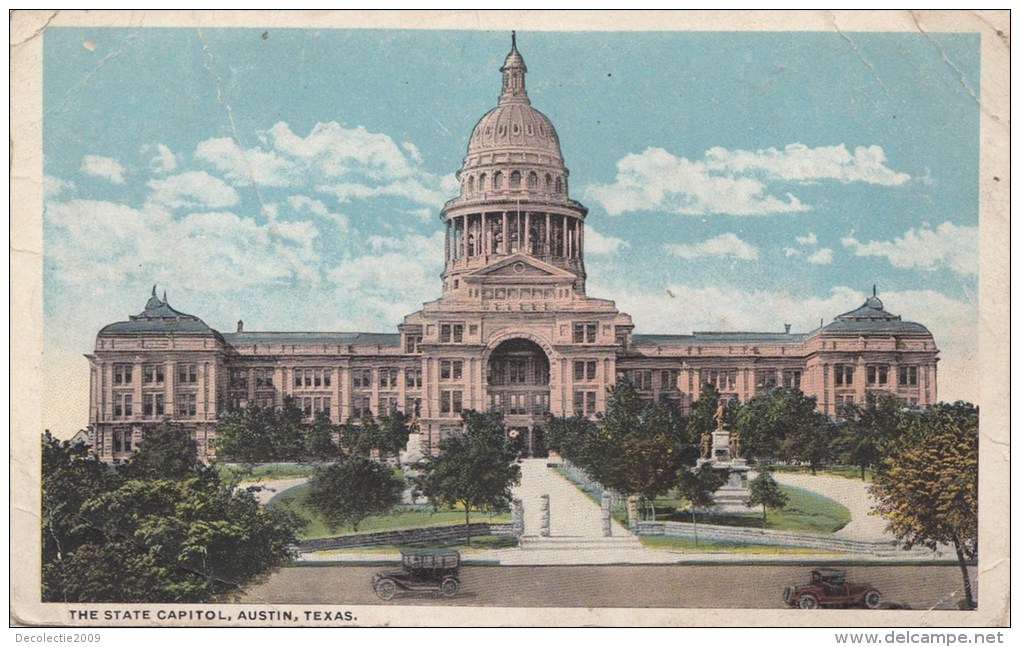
<point x="733" y="495"/>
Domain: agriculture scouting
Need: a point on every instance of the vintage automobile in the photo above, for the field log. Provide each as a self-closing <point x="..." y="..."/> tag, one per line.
<point x="829" y="588"/>
<point x="424" y="570"/>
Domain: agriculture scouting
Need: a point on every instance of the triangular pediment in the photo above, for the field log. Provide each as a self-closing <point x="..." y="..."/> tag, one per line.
<point x="521" y="267"/>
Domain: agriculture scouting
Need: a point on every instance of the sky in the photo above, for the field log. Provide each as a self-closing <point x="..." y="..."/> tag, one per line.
<point x="293" y="178"/>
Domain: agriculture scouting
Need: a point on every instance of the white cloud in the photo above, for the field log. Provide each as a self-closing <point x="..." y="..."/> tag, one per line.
<point x="349" y="163"/>
<point x="376" y="289"/>
<point x="95" y="242"/>
<point x="103" y="167"/>
<point x="304" y="203"/>
<point x="734" y="182"/>
<point x="53" y="186"/>
<point x="192" y="190"/>
<point x="822" y="256"/>
<point x="948" y="245"/>
<point x="163" y="161"/>
<point x="799" y="163"/>
<point x="810" y="239"/>
<point x="790" y="251"/>
<point x="596" y="243"/>
<point x="726" y="245"/>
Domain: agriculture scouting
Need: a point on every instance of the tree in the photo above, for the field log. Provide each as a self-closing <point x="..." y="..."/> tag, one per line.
<point x="167" y="450"/>
<point x="766" y="421"/>
<point x="475" y="469"/>
<point x="926" y="484"/>
<point x="864" y="434"/>
<point x="345" y="493"/>
<point x="394" y="431"/>
<point x="133" y="534"/>
<point x="766" y="493"/>
<point x="261" y="434"/>
<point x="318" y="440"/>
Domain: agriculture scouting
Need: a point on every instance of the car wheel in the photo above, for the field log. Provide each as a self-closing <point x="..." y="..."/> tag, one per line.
<point x="788" y="595"/>
<point x="450" y="587"/>
<point x="807" y="601"/>
<point x="873" y="599"/>
<point x="386" y="589"/>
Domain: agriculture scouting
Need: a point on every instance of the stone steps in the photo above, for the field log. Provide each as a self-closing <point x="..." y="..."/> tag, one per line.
<point x="616" y="542"/>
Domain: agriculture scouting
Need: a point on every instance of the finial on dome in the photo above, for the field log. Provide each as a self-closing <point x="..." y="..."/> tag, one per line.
<point x="153" y="289"/>
<point x="513" y="39"/>
<point x="513" y="71"/>
<point x="164" y="295"/>
<point x="874" y="289"/>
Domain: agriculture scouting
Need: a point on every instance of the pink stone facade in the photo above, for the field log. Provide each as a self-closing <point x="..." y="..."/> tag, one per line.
<point x="514" y="330"/>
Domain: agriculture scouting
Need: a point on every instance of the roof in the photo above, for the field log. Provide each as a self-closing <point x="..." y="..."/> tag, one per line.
<point x="326" y="338"/>
<point x="873" y="317"/>
<point x="160" y="318"/>
<point x="706" y="337"/>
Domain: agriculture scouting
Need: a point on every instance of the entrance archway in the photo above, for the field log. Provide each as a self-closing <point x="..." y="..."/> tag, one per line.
<point x="517" y="377"/>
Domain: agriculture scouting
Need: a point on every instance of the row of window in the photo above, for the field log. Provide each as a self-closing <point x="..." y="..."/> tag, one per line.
<point x="123" y="374"/>
<point x="519" y="404"/>
<point x="875" y="375"/>
<point x="532" y="180"/>
<point x="154" y="405"/>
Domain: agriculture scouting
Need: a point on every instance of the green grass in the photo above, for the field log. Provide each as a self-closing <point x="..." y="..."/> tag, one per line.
<point x="804" y="512"/>
<point x="846" y="471"/>
<point x="266" y="471"/>
<point x="713" y="546"/>
<point x="402" y="516"/>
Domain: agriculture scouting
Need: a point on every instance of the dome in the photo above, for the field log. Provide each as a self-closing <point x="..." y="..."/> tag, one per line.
<point x="515" y="125"/>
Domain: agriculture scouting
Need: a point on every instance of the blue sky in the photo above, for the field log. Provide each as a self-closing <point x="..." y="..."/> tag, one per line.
<point x="293" y="178"/>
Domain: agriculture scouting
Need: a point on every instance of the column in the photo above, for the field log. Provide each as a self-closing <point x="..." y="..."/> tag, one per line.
<point x="548" y="234"/>
<point x="279" y="379"/>
<point x="566" y="252"/>
<point x="171" y="400"/>
<point x="136" y="392"/>
<point x="527" y="232"/>
<point x="334" y="411"/>
<point x="462" y="245"/>
<point x="580" y="238"/>
<point x="506" y="236"/>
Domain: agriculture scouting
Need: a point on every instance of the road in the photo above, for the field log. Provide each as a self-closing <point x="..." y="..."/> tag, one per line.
<point x="662" y="586"/>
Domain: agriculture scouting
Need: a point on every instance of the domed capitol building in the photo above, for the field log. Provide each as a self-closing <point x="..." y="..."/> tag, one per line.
<point x="514" y="330"/>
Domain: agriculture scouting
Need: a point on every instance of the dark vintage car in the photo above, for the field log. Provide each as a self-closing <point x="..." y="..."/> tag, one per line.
<point x="829" y="588"/>
<point x="424" y="570"/>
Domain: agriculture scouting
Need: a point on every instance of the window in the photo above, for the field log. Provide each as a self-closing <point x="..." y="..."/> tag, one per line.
<point x="263" y="378"/>
<point x="388" y="378"/>
<point x="451" y="402"/>
<point x="559" y="185"/>
<point x="411" y="344"/>
<point x="584" y="370"/>
<point x="791" y="379"/>
<point x="496" y="402"/>
<point x="122" y="373"/>
<point x="187" y="373"/>
<point x="532" y="180"/>
<point x="584" y="403"/>
<point x="878" y="374"/>
<point x="642" y="380"/>
<point x="152" y="373"/>
<point x="908" y="375"/>
<point x="584" y="333"/>
<point x="412" y="378"/>
<point x="541" y="404"/>
<point x="451" y="333"/>
<point x="412" y="406"/>
<point x="518" y="404"/>
<point x="765" y="379"/>
<point x="361" y="406"/>
<point x="122" y="405"/>
<point x="388" y="405"/>
<point x="517" y="370"/>
<point x="621" y="336"/>
<point x="307" y="408"/>
<point x="497" y="180"/>
<point x="361" y="378"/>
<point x="187" y="405"/>
<point x="515" y="180"/>
<point x="668" y="379"/>
<point x="451" y="369"/>
<point x="238" y="378"/>
<point x="843" y="400"/>
<point x="843" y="375"/>
<point x="721" y="379"/>
<point x="153" y="405"/>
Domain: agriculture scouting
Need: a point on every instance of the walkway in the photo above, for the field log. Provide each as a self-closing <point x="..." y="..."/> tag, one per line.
<point x="852" y="493"/>
<point x="272" y="488"/>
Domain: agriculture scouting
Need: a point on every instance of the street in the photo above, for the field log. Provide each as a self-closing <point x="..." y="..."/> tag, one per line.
<point x="659" y="586"/>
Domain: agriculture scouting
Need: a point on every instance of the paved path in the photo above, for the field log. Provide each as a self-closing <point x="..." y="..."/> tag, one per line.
<point x="852" y="493"/>
<point x="572" y="513"/>
<point x="272" y="488"/>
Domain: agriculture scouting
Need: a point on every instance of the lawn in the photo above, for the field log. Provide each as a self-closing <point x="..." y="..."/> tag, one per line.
<point x="846" y="471"/>
<point x="483" y="542"/>
<point x="804" y="512"/>
<point x="711" y="546"/>
<point x="403" y="516"/>
<point x="265" y="471"/>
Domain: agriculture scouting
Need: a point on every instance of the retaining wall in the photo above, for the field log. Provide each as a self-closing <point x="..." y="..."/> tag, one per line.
<point x="406" y="537"/>
<point x="773" y="538"/>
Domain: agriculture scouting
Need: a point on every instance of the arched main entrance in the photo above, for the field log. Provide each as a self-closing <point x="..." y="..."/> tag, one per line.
<point x="518" y="387"/>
